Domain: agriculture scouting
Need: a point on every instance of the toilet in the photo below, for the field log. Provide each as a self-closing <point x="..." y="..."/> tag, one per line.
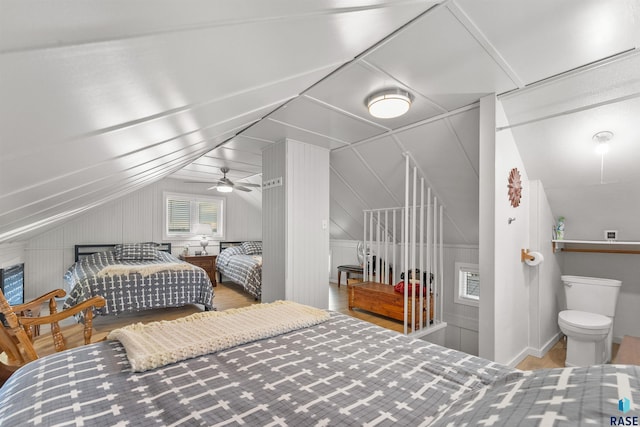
<point x="588" y="320"/>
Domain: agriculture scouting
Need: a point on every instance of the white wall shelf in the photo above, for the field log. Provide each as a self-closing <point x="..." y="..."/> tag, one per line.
<point x="596" y="246"/>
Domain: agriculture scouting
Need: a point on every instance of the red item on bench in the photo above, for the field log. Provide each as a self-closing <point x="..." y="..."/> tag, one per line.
<point x="399" y="287"/>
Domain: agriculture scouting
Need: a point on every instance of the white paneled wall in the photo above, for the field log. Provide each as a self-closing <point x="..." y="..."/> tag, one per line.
<point x="343" y="252"/>
<point x="11" y="254"/>
<point x="137" y="217"/>
<point x="274" y="224"/>
<point x="307" y="224"/>
<point x="296" y="224"/>
<point x="462" y="320"/>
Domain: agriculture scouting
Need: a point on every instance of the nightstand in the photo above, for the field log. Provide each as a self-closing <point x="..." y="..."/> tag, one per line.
<point x="206" y="262"/>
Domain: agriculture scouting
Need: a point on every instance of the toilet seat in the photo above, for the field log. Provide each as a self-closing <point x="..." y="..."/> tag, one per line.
<point x="584" y="320"/>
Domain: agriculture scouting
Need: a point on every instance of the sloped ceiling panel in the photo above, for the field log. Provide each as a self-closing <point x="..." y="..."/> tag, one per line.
<point x="539" y="39"/>
<point x="345" y="209"/>
<point x="449" y="171"/>
<point x="360" y="80"/>
<point x="612" y="81"/>
<point x="129" y="92"/>
<point x="276" y="131"/>
<point x="570" y="140"/>
<point x="303" y="113"/>
<point x="360" y="179"/>
<point x="465" y="127"/>
<point x="385" y="157"/>
<point x="456" y="72"/>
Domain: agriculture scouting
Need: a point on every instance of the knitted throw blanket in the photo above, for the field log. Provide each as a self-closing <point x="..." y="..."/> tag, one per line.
<point x="161" y="343"/>
<point x="144" y="269"/>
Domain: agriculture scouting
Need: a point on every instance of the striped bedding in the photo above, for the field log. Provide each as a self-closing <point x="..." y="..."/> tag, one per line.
<point x="136" y="291"/>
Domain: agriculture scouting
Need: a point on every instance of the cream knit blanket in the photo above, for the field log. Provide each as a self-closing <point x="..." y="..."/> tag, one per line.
<point x="161" y="343"/>
<point x="142" y="269"/>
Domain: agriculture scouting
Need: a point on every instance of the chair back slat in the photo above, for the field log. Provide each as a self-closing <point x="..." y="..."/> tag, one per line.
<point x="23" y="346"/>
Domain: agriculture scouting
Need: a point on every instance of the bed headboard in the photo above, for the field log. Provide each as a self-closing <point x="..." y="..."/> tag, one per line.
<point x="225" y="245"/>
<point x="86" y="250"/>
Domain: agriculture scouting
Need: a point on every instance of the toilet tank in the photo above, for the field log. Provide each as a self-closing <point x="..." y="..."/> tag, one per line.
<point x="591" y="294"/>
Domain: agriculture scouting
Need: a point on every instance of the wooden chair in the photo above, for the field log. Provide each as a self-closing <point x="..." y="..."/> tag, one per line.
<point x="19" y="341"/>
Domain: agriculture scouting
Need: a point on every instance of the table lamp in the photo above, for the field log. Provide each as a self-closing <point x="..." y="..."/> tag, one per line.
<point x="203" y="230"/>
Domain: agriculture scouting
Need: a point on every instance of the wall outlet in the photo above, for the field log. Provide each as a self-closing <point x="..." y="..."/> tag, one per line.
<point x="610" y="234"/>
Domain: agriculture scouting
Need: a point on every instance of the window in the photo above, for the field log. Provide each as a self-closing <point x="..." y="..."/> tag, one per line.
<point x="467" y="290"/>
<point x="184" y="211"/>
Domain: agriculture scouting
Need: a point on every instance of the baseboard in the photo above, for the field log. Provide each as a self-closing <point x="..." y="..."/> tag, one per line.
<point x="536" y="352"/>
<point x="549" y="344"/>
<point x="520" y="357"/>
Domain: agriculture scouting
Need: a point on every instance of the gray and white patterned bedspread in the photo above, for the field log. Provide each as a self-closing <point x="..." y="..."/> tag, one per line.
<point x="135" y="292"/>
<point x="340" y="372"/>
<point x="245" y="270"/>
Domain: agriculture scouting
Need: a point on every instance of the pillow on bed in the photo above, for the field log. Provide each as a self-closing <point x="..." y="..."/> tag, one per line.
<point x="252" y="248"/>
<point x="136" y="252"/>
<point x="226" y="255"/>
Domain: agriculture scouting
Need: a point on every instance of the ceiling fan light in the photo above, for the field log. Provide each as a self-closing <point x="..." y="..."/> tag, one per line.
<point x="602" y="140"/>
<point x="389" y="103"/>
<point x="224" y="188"/>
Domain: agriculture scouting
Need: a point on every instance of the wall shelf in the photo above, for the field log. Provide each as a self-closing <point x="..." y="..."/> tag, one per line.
<point x="596" y="246"/>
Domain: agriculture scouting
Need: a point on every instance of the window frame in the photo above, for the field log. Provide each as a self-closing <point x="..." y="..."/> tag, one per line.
<point x="193" y="200"/>
<point x="460" y="296"/>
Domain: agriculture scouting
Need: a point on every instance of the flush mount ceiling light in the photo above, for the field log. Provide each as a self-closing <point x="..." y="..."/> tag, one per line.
<point x="388" y="104"/>
<point x="602" y="139"/>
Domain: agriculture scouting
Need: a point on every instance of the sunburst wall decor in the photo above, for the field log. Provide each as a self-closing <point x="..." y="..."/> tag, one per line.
<point x="515" y="187"/>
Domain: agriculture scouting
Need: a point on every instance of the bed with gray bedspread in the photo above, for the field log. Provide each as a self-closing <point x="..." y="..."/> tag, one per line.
<point x="243" y="267"/>
<point x="135" y="292"/>
<point x="340" y="372"/>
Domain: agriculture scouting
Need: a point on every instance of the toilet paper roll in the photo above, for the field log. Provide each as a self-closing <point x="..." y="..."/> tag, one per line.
<point x="537" y="259"/>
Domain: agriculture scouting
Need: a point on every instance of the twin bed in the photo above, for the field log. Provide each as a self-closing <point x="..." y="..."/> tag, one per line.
<point x="135" y="277"/>
<point x="338" y="371"/>
<point x="142" y="276"/>
<point x="241" y="262"/>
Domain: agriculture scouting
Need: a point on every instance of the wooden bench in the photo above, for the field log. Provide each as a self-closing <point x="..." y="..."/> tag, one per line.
<point x="629" y="351"/>
<point x="383" y="300"/>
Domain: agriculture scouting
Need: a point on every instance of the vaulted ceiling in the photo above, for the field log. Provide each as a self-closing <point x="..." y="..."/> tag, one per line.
<point x="99" y="98"/>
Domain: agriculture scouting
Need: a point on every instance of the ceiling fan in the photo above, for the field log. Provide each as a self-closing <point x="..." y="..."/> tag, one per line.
<point x="225" y="185"/>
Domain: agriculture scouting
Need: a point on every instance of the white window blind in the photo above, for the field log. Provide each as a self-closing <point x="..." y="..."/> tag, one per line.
<point x="208" y="214"/>
<point x="184" y="211"/>
<point x="467" y="290"/>
<point x="471" y="284"/>
<point x="179" y="216"/>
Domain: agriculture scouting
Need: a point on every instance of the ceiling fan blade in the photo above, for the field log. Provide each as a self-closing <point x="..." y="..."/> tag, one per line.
<point x="241" y="188"/>
<point x="213" y="187"/>
<point x="200" y="182"/>
<point x="248" y="184"/>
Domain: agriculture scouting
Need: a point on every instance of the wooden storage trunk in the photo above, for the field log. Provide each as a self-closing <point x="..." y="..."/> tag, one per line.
<point x="383" y="300"/>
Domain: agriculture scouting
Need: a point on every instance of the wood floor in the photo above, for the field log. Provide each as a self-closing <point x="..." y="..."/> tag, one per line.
<point x="228" y="295"/>
<point x="554" y="358"/>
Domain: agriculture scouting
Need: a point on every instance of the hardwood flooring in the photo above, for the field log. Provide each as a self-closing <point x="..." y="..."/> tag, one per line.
<point x="554" y="358"/>
<point x="229" y="295"/>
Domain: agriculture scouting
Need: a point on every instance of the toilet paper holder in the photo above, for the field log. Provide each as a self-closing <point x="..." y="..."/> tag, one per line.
<point x="525" y="255"/>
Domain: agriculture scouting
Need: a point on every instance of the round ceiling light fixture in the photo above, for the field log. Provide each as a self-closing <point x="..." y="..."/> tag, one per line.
<point x="390" y="103"/>
<point x="602" y="139"/>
